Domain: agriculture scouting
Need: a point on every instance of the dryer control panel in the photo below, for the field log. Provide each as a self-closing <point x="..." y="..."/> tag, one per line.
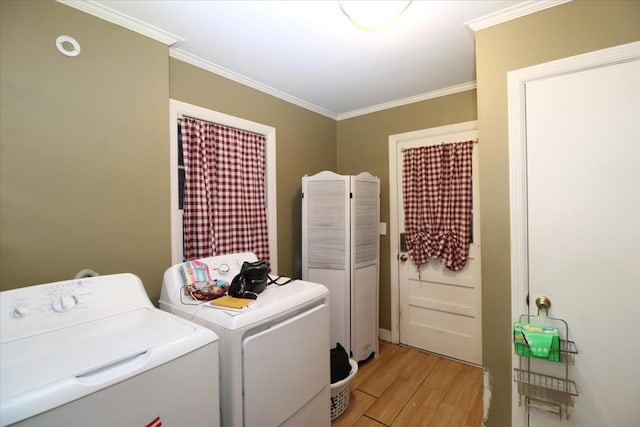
<point x="221" y="268"/>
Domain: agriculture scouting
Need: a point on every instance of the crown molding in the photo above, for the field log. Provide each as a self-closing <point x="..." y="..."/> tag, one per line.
<point x="221" y="71"/>
<point x="115" y="17"/>
<point x="96" y="9"/>
<point x="196" y="61"/>
<point x="513" y="12"/>
<point x="169" y="39"/>
<point x="410" y="100"/>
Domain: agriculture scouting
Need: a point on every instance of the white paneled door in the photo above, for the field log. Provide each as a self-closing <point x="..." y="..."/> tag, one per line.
<point x="581" y="232"/>
<point x="439" y="310"/>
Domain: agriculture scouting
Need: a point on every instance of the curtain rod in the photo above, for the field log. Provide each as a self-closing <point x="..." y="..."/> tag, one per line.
<point x="475" y="141"/>
<point x="181" y="115"/>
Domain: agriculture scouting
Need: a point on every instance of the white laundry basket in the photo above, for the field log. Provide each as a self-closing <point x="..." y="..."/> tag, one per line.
<point x="341" y="392"/>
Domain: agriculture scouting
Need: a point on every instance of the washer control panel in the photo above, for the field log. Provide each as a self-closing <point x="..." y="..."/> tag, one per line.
<point x="42" y="299"/>
<point x="38" y="309"/>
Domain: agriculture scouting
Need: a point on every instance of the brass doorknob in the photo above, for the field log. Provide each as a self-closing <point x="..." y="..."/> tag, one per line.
<point x="543" y="303"/>
<point x="404" y="257"/>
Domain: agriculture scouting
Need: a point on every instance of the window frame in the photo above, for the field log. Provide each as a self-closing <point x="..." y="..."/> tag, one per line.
<point x="178" y="109"/>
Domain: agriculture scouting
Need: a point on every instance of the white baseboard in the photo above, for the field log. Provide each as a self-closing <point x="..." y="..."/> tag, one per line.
<point x="384" y="334"/>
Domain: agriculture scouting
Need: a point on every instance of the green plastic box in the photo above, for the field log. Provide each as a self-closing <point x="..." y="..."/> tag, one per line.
<point x="542" y="342"/>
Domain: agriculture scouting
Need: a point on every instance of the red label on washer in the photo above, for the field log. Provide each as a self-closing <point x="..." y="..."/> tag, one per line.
<point x="157" y="422"/>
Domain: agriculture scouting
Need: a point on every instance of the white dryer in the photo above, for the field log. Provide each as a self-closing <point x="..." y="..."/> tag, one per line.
<point x="96" y="352"/>
<point x="274" y="355"/>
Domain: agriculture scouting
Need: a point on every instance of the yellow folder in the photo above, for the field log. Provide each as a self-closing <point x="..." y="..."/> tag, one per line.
<point x="231" y="302"/>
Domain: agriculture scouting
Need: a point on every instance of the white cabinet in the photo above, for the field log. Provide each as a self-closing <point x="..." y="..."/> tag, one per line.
<point x="341" y="250"/>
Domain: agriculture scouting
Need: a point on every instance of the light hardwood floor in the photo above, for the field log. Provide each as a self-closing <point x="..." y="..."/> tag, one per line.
<point x="407" y="387"/>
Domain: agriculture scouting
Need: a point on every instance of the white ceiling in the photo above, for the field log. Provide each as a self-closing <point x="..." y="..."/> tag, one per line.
<point x="308" y="52"/>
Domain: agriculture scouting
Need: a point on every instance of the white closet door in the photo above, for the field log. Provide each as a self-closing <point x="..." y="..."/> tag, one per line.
<point x="583" y="188"/>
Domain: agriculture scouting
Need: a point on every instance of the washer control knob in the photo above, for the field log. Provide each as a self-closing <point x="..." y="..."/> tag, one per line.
<point x="20" y="311"/>
<point x="62" y="303"/>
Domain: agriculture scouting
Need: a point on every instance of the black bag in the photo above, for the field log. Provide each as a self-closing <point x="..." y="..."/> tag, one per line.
<point x="340" y="366"/>
<point x="251" y="280"/>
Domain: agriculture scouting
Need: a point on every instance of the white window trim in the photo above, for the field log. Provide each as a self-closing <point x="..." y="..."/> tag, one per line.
<point x="179" y="108"/>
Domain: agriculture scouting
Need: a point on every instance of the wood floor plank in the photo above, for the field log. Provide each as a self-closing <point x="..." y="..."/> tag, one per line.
<point x="367" y="422"/>
<point x="458" y="417"/>
<point x="387" y="350"/>
<point x="464" y="388"/>
<point x="358" y="404"/>
<point x="472" y="393"/>
<point x="444" y="374"/>
<point x="404" y="387"/>
<point x="474" y="418"/>
<point x="387" y="407"/>
<point x="420" y="408"/>
<point x="443" y="416"/>
<point x="418" y="366"/>
<point x="376" y="384"/>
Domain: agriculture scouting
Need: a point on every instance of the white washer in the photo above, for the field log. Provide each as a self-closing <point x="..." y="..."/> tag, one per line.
<point x="94" y="351"/>
<point x="274" y="355"/>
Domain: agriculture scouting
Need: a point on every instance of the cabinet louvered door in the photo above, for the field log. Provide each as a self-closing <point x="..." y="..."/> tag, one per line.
<point x="365" y="254"/>
<point x="326" y="245"/>
<point x="340" y="249"/>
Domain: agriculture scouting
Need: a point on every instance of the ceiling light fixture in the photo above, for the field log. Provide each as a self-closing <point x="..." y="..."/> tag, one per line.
<point x="373" y="15"/>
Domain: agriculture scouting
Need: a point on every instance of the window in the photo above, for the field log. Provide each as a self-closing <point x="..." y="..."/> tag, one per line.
<point x="178" y="109"/>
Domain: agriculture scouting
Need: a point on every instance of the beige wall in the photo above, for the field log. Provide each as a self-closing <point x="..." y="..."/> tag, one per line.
<point x="555" y="33"/>
<point x="85" y="177"/>
<point x="305" y="143"/>
<point x="84" y="148"/>
<point x="363" y="145"/>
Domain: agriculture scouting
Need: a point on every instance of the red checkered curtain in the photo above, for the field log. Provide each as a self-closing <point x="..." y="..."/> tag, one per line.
<point x="436" y="184"/>
<point x="225" y="208"/>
